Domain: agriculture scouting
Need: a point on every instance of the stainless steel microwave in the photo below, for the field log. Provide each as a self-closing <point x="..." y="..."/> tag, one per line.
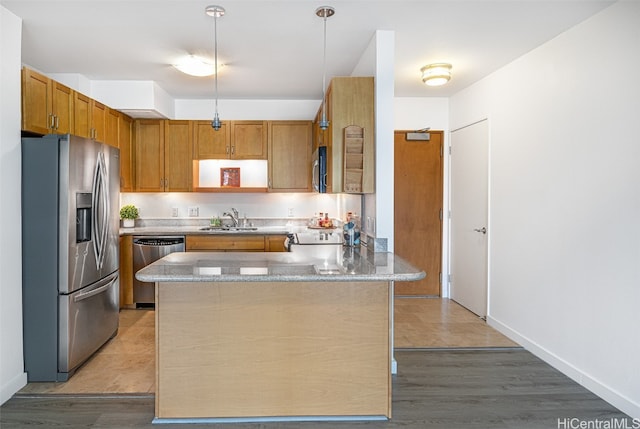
<point x="319" y="169"/>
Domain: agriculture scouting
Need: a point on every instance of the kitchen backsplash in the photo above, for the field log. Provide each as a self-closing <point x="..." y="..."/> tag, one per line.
<point x="179" y="205"/>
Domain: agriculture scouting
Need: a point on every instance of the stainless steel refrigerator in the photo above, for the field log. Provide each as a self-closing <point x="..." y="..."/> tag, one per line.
<point x="70" y="252"/>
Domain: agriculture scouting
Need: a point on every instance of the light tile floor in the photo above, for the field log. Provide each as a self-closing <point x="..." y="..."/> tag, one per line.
<point x="442" y="323"/>
<point x="126" y="364"/>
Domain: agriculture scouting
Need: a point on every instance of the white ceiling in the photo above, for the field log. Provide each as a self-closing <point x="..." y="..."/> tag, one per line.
<point x="273" y="49"/>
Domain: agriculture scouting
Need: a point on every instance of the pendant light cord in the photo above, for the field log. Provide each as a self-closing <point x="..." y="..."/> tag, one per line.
<point x="324" y="72"/>
<point x="215" y="58"/>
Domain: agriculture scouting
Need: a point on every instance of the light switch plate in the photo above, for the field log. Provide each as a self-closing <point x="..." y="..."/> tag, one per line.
<point x="193" y="211"/>
<point x="174" y="211"/>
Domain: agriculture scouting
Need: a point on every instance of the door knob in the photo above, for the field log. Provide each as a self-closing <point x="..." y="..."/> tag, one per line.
<point x="482" y="230"/>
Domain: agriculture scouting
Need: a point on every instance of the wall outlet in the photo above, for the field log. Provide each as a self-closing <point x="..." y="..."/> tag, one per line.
<point x="290" y="212"/>
<point x="174" y="211"/>
<point x="193" y="212"/>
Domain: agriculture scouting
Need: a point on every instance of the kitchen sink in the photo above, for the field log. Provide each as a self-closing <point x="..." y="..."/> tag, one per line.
<point x="228" y="228"/>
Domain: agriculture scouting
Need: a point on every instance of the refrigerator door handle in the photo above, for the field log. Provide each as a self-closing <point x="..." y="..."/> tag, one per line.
<point x="100" y="206"/>
<point x="96" y="291"/>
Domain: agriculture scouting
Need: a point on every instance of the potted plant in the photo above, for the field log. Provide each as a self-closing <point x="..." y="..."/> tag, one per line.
<point x="128" y="214"/>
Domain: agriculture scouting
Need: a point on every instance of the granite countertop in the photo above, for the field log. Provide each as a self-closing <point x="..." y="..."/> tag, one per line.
<point x="197" y="230"/>
<point x="339" y="265"/>
<point x="168" y="227"/>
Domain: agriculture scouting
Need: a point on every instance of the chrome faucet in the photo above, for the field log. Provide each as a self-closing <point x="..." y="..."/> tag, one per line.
<point x="233" y="215"/>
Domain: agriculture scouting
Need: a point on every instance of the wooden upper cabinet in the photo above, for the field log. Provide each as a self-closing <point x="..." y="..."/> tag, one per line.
<point x="111" y="127"/>
<point x="62" y="108"/>
<point x="125" y="143"/>
<point x="234" y="140"/>
<point x="209" y="143"/>
<point x="248" y="140"/>
<point x="163" y="155"/>
<point x="98" y="121"/>
<point x="81" y="115"/>
<point x="47" y="106"/>
<point x="89" y="117"/>
<point x="290" y="156"/>
<point x="349" y="101"/>
<point x="178" y="158"/>
<point x="149" y="144"/>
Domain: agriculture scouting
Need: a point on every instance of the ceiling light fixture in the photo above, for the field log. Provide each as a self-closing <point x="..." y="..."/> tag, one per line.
<point x="324" y="12"/>
<point x="216" y="12"/>
<point x="194" y="65"/>
<point x="436" y="74"/>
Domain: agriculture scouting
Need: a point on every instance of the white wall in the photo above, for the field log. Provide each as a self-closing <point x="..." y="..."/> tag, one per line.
<point x="12" y="375"/>
<point x="564" y="276"/>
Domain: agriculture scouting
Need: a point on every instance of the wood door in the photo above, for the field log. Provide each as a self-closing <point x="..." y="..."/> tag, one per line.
<point x="418" y="193"/>
<point x="290" y="156"/>
<point x="209" y="143"/>
<point x="36" y="109"/>
<point x="178" y="162"/>
<point x="125" y="142"/>
<point x="62" y="107"/>
<point x="249" y="139"/>
<point x="469" y="216"/>
<point x="149" y="143"/>
<point x="81" y="115"/>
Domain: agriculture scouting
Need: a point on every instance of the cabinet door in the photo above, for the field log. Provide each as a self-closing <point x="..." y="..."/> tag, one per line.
<point x="62" y="107"/>
<point x="209" y="143"/>
<point x="98" y="121"/>
<point x="225" y="243"/>
<point x="126" y="271"/>
<point x="290" y="156"/>
<point x="249" y="139"/>
<point x="274" y="243"/>
<point x="81" y="115"/>
<point x="111" y="127"/>
<point x="178" y="162"/>
<point x="36" y="108"/>
<point x="125" y="143"/>
<point x="149" y="144"/>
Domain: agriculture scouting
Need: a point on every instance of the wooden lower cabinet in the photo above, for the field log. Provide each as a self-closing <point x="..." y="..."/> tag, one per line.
<point x="126" y="270"/>
<point x="235" y="243"/>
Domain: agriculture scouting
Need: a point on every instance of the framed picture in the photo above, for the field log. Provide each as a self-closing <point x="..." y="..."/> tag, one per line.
<point x="230" y="177"/>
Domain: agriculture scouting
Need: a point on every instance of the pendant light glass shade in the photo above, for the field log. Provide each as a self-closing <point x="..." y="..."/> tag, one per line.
<point x="216" y="12"/>
<point x="324" y="12"/>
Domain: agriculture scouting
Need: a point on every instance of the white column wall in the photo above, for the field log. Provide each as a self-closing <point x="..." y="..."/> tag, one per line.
<point x="12" y="375"/>
<point x="564" y="276"/>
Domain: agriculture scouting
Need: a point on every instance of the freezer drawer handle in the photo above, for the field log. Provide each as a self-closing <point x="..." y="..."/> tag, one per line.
<point x="94" y="292"/>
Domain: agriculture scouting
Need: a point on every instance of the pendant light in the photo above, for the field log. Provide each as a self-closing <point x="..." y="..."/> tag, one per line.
<point x="216" y="12"/>
<point x="324" y="12"/>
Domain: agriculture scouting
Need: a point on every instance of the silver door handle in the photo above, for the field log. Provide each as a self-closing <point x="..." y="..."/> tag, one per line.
<point x="482" y="230"/>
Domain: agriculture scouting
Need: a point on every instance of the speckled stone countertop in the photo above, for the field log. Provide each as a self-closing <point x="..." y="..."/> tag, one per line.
<point x="168" y="227"/>
<point x="317" y="264"/>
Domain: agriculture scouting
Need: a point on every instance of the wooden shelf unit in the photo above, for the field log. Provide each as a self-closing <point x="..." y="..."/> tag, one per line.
<point x="353" y="158"/>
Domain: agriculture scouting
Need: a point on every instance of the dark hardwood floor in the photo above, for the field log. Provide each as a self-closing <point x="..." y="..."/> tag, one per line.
<point x="433" y="389"/>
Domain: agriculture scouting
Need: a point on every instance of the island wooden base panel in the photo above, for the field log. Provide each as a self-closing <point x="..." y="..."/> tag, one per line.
<point x="273" y="349"/>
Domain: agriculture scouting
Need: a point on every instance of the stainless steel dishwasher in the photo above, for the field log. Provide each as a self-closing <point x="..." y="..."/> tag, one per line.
<point x="145" y="251"/>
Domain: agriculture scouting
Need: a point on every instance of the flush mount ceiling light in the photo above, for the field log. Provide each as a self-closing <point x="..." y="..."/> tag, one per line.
<point x="216" y="12"/>
<point x="324" y="12"/>
<point x="436" y="74"/>
<point x="195" y="66"/>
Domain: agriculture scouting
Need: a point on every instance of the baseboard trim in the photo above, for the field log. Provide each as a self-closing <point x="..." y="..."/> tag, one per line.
<point x="12" y="387"/>
<point x="613" y="397"/>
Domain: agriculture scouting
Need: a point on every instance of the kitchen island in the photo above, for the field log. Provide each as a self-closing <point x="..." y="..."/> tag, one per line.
<point x="274" y="336"/>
